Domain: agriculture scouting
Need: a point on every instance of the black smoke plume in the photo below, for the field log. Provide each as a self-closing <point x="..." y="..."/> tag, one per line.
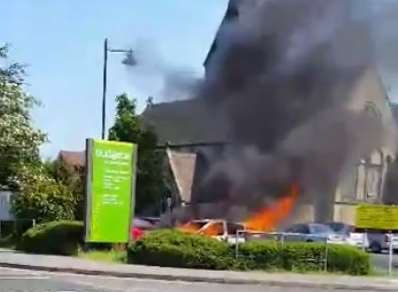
<point x="281" y="76"/>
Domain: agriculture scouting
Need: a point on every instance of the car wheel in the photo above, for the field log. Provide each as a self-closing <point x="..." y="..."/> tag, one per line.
<point x="375" y="247"/>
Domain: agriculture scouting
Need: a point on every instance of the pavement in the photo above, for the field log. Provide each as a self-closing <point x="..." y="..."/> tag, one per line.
<point x="12" y="280"/>
<point x="59" y="264"/>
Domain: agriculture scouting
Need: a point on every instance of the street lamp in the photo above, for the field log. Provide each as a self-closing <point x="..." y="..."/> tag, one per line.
<point x="129" y="60"/>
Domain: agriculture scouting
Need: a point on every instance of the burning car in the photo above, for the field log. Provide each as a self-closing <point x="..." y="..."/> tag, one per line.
<point x="216" y="228"/>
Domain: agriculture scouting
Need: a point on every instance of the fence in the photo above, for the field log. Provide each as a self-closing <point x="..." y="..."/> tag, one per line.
<point x="16" y="226"/>
<point x="281" y="238"/>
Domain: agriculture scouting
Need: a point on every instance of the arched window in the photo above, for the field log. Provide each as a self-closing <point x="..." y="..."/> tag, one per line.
<point x="372" y="109"/>
<point x="374" y="176"/>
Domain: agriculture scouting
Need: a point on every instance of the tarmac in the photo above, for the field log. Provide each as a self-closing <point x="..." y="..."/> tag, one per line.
<point x="50" y="263"/>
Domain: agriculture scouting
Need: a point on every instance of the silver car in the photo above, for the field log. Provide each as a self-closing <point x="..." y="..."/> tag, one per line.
<point x="313" y="232"/>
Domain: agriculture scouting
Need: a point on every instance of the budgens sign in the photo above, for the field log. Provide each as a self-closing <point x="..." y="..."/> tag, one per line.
<point x="110" y="187"/>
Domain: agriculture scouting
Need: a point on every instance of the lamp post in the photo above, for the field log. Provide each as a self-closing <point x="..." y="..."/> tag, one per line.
<point x="128" y="60"/>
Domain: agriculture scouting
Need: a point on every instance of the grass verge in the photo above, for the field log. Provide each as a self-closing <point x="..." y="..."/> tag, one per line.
<point x="107" y="256"/>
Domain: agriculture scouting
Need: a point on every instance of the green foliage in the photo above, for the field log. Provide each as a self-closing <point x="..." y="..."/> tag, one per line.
<point x="172" y="248"/>
<point x="42" y="198"/>
<point x="348" y="259"/>
<point x="19" y="141"/>
<point x="59" y="237"/>
<point x="176" y="249"/>
<point x="73" y="179"/>
<point x="128" y="127"/>
<point x="303" y="257"/>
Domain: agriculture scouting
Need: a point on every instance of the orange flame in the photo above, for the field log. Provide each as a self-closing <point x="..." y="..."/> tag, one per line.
<point x="268" y="218"/>
<point x="189" y="227"/>
<point x="214" y="228"/>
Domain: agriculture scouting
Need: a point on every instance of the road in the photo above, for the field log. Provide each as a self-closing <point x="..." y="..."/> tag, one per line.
<point x="380" y="262"/>
<point x="12" y="280"/>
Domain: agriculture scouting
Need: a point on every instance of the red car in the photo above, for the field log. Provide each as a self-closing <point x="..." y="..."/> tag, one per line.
<point x="137" y="233"/>
<point x="140" y="227"/>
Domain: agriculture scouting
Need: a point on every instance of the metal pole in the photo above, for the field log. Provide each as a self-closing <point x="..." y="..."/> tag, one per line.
<point x="364" y="240"/>
<point x="237" y="244"/>
<point x="390" y="252"/>
<point x="104" y="88"/>
<point x="326" y="255"/>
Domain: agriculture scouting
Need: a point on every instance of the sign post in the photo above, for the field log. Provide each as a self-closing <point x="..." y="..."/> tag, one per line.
<point x="110" y="188"/>
<point x="390" y="253"/>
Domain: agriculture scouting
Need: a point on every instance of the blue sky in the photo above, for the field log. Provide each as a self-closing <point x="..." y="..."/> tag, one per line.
<point x="62" y="40"/>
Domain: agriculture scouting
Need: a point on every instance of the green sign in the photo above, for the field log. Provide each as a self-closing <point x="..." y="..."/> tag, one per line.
<point x="110" y="190"/>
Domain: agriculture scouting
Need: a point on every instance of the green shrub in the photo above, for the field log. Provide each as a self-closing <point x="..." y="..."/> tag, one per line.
<point x="303" y="257"/>
<point x="260" y="255"/>
<point x="171" y="248"/>
<point x="58" y="237"/>
<point x="41" y="197"/>
<point x="348" y="259"/>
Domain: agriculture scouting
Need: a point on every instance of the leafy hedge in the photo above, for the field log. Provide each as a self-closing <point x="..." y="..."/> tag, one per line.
<point x="171" y="248"/>
<point x="58" y="237"/>
<point x="296" y="256"/>
<point x="176" y="249"/>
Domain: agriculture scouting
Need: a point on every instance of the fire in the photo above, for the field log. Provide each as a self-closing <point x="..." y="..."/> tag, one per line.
<point x="268" y="218"/>
<point x="206" y="227"/>
<point x="213" y="230"/>
<point x="189" y="227"/>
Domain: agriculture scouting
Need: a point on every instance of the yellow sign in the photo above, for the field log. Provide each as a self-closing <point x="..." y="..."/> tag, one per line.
<point x="383" y="217"/>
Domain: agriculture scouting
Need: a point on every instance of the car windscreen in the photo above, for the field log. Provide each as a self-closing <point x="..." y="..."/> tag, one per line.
<point x="320" y="229"/>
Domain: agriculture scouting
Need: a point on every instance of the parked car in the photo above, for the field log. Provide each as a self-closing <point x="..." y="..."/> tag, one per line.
<point x="379" y="241"/>
<point x="353" y="236"/>
<point x="216" y="228"/>
<point x="313" y="232"/>
<point x="140" y="226"/>
<point x="341" y="228"/>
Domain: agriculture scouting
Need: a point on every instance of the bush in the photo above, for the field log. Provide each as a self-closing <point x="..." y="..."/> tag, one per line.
<point x="14" y="227"/>
<point x="171" y="248"/>
<point x="59" y="237"/>
<point x="303" y="257"/>
<point x="348" y="259"/>
<point x="41" y="197"/>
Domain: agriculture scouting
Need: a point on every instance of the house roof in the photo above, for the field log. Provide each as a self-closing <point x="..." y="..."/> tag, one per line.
<point x="73" y="158"/>
<point x="184" y="122"/>
<point x="183" y="167"/>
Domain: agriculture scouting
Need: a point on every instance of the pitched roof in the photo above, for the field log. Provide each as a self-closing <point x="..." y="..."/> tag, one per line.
<point x="182" y="122"/>
<point x="230" y="14"/>
<point x="73" y="158"/>
<point x="183" y="167"/>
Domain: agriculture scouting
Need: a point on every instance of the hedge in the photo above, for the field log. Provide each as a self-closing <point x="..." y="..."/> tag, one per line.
<point x="170" y="248"/>
<point x="58" y="237"/>
<point x="302" y="257"/>
<point x="176" y="249"/>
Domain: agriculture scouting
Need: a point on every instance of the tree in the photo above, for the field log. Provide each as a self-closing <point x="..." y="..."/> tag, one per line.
<point x="73" y="179"/>
<point x="128" y="127"/>
<point x="41" y="197"/>
<point x="19" y="141"/>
